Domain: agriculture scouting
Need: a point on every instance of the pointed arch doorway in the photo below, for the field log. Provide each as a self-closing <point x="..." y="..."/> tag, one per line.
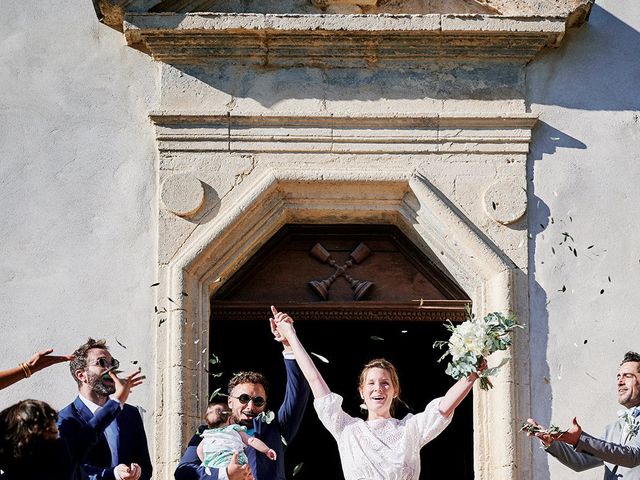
<point x="356" y="292"/>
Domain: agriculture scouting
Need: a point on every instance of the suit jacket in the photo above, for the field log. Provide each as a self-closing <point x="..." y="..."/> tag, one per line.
<point x="132" y="439"/>
<point x="61" y="459"/>
<point x="284" y="425"/>
<point x="621" y="461"/>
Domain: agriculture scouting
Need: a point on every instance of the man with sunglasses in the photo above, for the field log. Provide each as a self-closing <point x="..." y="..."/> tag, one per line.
<point x="247" y="401"/>
<point x="122" y="452"/>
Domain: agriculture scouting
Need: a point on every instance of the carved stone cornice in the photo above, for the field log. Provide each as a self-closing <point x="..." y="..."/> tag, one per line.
<point x="338" y="40"/>
<point x="437" y="133"/>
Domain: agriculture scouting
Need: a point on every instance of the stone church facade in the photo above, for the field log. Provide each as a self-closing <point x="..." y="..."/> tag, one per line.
<point x="152" y="148"/>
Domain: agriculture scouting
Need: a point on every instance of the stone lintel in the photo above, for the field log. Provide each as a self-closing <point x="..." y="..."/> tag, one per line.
<point x="465" y="134"/>
<point x="338" y="40"/>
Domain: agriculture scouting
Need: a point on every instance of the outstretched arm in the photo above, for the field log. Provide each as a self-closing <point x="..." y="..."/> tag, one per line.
<point x="284" y="327"/>
<point x="37" y="362"/>
<point x="258" y="444"/>
<point x="458" y="392"/>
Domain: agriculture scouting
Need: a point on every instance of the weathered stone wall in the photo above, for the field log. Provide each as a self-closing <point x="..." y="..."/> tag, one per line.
<point x="81" y="183"/>
<point x="585" y="170"/>
<point x="77" y="167"/>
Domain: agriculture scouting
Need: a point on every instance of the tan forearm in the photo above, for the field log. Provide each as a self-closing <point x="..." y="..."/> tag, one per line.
<point x="13" y="375"/>
<point x="456" y="394"/>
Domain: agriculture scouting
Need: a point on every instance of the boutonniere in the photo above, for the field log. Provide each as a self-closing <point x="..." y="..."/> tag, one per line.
<point x="266" y="417"/>
<point x="631" y="420"/>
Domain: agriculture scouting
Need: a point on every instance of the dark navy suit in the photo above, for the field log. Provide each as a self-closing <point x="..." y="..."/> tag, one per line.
<point x="284" y="425"/>
<point x="132" y="441"/>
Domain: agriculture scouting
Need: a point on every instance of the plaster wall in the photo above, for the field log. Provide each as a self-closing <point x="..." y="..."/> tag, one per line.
<point x="78" y="219"/>
<point x="77" y="169"/>
<point x="584" y="173"/>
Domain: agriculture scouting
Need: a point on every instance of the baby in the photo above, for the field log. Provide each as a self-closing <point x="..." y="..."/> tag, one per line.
<point x="223" y="438"/>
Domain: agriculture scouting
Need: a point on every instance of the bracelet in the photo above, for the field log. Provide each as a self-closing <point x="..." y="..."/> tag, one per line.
<point x="26" y="370"/>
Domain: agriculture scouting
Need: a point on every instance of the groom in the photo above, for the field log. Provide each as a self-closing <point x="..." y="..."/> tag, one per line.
<point x="248" y="395"/>
<point x="619" y="449"/>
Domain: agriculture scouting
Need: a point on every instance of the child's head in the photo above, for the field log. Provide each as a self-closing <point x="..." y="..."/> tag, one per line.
<point x="28" y="429"/>
<point x="217" y="414"/>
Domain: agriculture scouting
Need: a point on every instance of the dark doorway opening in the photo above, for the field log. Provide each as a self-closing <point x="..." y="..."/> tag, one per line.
<point x="249" y="345"/>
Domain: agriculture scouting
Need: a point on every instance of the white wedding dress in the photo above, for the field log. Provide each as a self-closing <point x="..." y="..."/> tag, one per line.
<point x="387" y="449"/>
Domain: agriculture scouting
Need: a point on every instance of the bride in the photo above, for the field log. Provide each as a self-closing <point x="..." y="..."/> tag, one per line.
<point x="382" y="447"/>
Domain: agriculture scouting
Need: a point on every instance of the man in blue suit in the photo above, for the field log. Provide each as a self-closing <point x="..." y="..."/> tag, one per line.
<point x="122" y="452"/>
<point x="247" y="401"/>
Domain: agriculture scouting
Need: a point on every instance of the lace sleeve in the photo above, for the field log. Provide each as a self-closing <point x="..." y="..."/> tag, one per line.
<point x="330" y="413"/>
<point x="430" y="423"/>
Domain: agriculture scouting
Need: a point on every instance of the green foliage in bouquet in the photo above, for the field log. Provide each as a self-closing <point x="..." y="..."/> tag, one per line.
<point x="476" y="339"/>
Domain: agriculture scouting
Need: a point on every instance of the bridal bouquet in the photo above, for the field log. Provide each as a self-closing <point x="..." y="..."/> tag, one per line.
<point x="474" y="340"/>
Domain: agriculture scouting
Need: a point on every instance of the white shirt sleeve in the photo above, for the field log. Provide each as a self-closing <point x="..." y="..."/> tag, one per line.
<point x="430" y="423"/>
<point x="330" y="413"/>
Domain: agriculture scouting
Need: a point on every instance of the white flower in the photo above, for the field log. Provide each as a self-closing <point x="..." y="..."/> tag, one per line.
<point x="468" y="337"/>
<point x="475" y="339"/>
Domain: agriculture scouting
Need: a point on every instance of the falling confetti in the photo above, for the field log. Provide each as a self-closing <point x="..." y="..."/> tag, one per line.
<point x="171" y="300"/>
<point x="585" y="342"/>
<point x="135" y="362"/>
<point x="155" y="284"/>
<point x="376" y="338"/>
<point x="185" y="294"/>
<point x="118" y="342"/>
<point x="161" y="321"/>
<point x="297" y="468"/>
<point x="214" y="359"/>
<point x="215" y="393"/>
<point x="324" y="359"/>
<point x="404" y="331"/>
<point x="563" y="289"/>
<point x="590" y="247"/>
<point x="601" y="291"/>
<point x="284" y="442"/>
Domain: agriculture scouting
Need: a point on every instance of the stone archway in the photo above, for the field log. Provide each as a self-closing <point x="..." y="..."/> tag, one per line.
<point x="280" y="194"/>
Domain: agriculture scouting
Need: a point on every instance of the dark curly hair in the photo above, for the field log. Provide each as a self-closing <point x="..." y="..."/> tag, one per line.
<point x="26" y="429"/>
<point x="80" y="356"/>
<point x="248" y="377"/>
<point x="631" y="357"/>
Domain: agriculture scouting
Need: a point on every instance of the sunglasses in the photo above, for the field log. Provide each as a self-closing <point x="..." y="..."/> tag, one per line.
<point x="104" y="363"/>
<point x="244" y="399"/>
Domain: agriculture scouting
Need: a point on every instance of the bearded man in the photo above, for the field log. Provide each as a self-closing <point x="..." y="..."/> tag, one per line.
<point x="122" y="452"/>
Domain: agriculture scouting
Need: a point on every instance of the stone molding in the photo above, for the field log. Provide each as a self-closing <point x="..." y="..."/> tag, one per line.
<point x="336" y="40"/>
<point x="269" y="201"/>
<point x="445" y="134"/>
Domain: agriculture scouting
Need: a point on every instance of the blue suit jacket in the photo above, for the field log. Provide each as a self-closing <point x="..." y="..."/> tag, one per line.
<point x="61" y="460"/>
<point x="132" y="446"/>
<point x="284" y="425"/>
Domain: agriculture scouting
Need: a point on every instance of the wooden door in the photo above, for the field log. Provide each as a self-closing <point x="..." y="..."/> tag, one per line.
<point x="398" y="317"/>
